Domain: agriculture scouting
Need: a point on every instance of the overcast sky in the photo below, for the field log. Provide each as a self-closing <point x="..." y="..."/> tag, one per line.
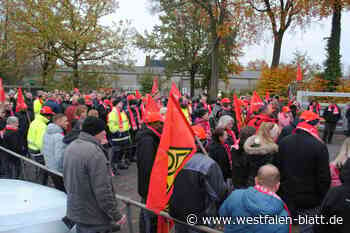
<point x="310" y="41"/>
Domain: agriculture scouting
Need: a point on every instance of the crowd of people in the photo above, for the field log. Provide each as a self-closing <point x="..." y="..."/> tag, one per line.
<point x="267" y="160"/>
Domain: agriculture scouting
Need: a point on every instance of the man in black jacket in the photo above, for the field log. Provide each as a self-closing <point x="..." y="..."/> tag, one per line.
<point x="304" y="167"/>
<point x="337" y="205"/>
<point x="332" y="115"/>
<point x="147" y="142"/>
<point x="12" y="141"/>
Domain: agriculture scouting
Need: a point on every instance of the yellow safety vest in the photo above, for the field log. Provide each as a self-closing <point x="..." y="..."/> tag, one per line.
<point x="37" y="106"/>
<point x="113" y="121"/>
<point x="36" y="132"/>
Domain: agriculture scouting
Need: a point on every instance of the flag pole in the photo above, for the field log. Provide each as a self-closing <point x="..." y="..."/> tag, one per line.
<point x="201" y="145"/>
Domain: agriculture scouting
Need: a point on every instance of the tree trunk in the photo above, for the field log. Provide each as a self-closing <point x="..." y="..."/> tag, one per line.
<point x="277" y="45"/>
<point x="76" y="81"/>
<point x="214" y="78"/>
<point x="193" y="72"/>
<point x="333" y="70"/>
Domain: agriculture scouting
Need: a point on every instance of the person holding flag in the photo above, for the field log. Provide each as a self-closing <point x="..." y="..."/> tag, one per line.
<point x="119" y="126"/>
<point x="147" y="142"/>
<point x="208" y="189"/>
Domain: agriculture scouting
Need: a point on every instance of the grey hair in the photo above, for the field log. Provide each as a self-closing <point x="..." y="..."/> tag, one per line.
<point x="11" y="120"/>
<point x="224" y="121"/>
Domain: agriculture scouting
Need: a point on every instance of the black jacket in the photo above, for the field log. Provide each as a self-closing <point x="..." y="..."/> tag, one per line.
<point x="147" y="143"/>
<point x="258" y="154"/>
<point x="337" y="203"/>
<point x="330" y="117"/>
<point x="12" y="141"/>
<point x="240" y="167"/>
<point x="304" y="168"/>
<point x="199" y="189"/>
<point x="218" y="152"/>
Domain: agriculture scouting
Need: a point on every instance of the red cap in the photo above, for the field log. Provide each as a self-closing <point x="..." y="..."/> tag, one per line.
<point x="153" y="117"/>
<point x="107" y="102"/>
<point x="225" y="101"/>
<point x="199" y="132"/>
<point x="131" y="97"/>
<point x="46" y="110"/>
<point x="285" y="109"/>
<point x="310" y="116"/>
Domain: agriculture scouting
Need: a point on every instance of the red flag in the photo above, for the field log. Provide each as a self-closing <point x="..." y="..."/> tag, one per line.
<point x="267" y="97"/>
<point x="177" y="143"/>
<point x="238" y="112"/>
<point x="138" y="95"/>
<point x="151" y="104"/>
<point x="21" y="105"/>
<point x="2" y="93"/>
<point x="155" y="86"/>
<point x="299" y="74"/>
<point x="175" y="91"/>
<point x="255" y="103"/>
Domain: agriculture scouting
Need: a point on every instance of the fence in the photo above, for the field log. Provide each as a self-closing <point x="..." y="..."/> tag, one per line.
<point x="127" y="201"/>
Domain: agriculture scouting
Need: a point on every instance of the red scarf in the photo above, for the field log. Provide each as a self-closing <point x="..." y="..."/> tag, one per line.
<point x="264" y="190"/>
<point x="310" y="129"/>
<point x="234" y="139"/>
<point x="139" y="120"/>
<point x="153" y="130"/>
<point x="335" y="109"/>
<point x="228" y="152"/>
<point x="143" y="112"/>
<point x="121" y="126"/>
<point x="132" y="119"/>
<point x="9" y="127"/>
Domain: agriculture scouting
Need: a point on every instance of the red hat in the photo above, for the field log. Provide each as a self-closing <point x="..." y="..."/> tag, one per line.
<point x="153" y="117"/>
<point x="199" y="132"/>
<point x="285" y="109"/>
<point x="310" y="116"/>
<point x="46" y="110"/>
<point x="131" y="97"/>
<point x="225" y="101"/>
<point x="107" y="102"/>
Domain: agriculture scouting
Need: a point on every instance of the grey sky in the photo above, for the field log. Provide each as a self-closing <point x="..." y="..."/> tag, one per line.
<point x="310" y="40"/>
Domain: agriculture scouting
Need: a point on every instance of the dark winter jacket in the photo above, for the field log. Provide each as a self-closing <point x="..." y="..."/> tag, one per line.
<point x="337" y="203"/>
<point x="23" y="125"/>
<point x="53" y="105"/>
<point x="304" y="168"/>
<point x="240" y="167"/>
<point x="288" y="130"/>
<point x="252" y="203"/>
<point x="87" y="179"/>
<point x="258" y="154"/>
<point x="199" y="189"/>
<point x="330" y="117"/>
<point x="12" y="140"/>
<point x="147" y="143"/>
<point x="218" y="152"/>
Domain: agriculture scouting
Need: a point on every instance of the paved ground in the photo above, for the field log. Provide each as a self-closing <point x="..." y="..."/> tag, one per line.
<point x="126" y="183"/>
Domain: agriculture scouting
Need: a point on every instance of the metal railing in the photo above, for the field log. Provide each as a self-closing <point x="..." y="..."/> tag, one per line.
<point x="127" y="201"/>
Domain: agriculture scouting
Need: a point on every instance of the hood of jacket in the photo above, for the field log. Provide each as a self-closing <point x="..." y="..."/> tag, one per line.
<point x="41" y="118"/>
<point x="258" y="203"/>
<point x="53" y="129"/>
<point x="254" y="146"/>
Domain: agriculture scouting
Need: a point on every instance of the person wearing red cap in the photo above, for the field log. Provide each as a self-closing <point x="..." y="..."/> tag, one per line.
<point x="304" y="167"/>
<point x="35" y="138"/>
<point x="226" y="109"/>
<point x="332" y="114"/>
<point x="147" y="142"/>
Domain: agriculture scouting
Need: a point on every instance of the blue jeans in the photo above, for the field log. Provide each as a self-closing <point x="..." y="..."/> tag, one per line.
<point x="148" y="221"/>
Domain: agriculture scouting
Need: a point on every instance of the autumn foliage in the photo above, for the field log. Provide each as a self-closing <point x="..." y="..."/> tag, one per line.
<point x="276" y="80"/>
